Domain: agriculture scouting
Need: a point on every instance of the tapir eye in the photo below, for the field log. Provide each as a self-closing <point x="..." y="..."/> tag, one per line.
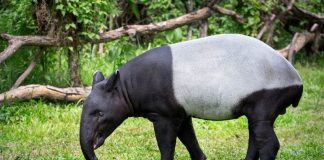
<point x="100" y="114"/>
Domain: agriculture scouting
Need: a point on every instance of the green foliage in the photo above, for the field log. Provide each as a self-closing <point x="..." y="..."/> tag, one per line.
<point x="89" y="15"/>
<point x="86" y="18"/>
<point x="315" y="6"/>
<point x="251" y="10"/>
<point x="43" y="130"/>
<point x="17" y="17"/>
<point x="164" y="10"/>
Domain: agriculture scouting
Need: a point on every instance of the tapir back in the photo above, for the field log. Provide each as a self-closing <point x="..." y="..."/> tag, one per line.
<point x="213" y="74"/>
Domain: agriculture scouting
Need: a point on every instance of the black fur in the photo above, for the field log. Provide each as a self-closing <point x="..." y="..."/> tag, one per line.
<point x="279" y="99"/>
<point x="147" y="82"/>
<point x="262" y="108"/>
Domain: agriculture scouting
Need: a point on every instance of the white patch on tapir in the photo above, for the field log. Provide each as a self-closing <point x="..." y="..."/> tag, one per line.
<point x="211" y="75"/>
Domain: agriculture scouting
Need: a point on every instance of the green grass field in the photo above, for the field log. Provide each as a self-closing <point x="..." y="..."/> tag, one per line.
<point x="43" y="130"/>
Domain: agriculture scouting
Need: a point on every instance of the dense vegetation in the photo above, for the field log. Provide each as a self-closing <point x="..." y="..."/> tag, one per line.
<point x="39" y="129"/>
<point x="42" y="130"/>
<point x="84" y="19"/>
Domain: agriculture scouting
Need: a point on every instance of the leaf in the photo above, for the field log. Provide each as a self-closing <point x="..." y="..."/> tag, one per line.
<point x="275" y="38"/>
<point x="69" y="38"/>
<point x="178" y="34"/>
<point x="74" y="12"/>
<point x="71" y="49"/>
<point x="59" y="7"/>
<point x="73" y="25"/>
<point x="102" y="13"/>
<point x="70" y="25"/>
<point x="134" y="9"/>
<point x="97" y="36"/>
<point x="67" y="27"/>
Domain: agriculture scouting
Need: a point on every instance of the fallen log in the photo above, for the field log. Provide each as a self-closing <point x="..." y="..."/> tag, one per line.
<point x="47" y="92"/>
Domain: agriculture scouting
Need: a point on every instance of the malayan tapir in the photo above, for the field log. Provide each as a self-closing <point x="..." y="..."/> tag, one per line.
<point x="216" y="78"/>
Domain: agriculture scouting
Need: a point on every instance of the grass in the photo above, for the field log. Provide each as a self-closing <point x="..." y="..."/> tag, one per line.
<point x="43" y="130"/>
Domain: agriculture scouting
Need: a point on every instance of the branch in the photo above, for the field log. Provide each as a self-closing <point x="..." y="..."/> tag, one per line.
<point x="13" y="46"/>
<point x="132" y="30"/>
<point x="316" y="18"/>
<point x="31" y="66"/>
<point x="268" y="25"/>
<point x="298" y="42"/>
<point x="15" y="42"/>
<point x="47" y="92"/>
<point x="318" y="38"/>
<point x="228" y="12"/>
<point x="213" y="2"/>
<point x="301" y="14"/>
<point x="34" y="40"/>
<point x="291" y="49"/>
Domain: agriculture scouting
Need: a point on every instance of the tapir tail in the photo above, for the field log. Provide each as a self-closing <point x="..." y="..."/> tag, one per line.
<point x="297" y="95"/>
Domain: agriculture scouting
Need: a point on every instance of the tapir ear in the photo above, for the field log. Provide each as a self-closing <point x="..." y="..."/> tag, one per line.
<point x="97" y="77"/>
<point x="111" y="83"/>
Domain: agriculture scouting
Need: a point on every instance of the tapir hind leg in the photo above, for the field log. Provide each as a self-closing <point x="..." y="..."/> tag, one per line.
<point x="263" y="141"/>
<point x="262" y="108"/>
<point x="267" y="141"/>
<point x="187" y="136"/>
<point x="252" y="152"/>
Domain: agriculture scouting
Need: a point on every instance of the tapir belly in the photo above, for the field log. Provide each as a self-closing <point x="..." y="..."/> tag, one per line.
<point x="213" y="75"/>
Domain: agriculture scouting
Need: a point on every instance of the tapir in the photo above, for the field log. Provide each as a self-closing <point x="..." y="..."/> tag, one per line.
<point x="219" y="77"/>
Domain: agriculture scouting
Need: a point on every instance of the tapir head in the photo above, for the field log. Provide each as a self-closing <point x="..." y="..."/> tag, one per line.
<point x="103" y="111"/>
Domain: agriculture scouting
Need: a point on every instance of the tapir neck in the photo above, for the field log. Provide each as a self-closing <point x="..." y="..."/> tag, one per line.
<point x="147" y="84"/>
<point x="125" y="96"/>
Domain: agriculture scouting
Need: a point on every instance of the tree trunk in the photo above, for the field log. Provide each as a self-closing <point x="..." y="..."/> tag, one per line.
<point x="189" y="32"/>
<point x="203" y="28"/>
<point x="189" y="8"/>
<point x="73" y="60"/>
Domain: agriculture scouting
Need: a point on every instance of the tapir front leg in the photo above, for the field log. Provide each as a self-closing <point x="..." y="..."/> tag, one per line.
<point x="187" y="136"/>
<point x="166" y="130"/>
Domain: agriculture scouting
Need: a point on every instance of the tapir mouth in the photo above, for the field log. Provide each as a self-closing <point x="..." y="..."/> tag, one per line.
<point x="98" y="141"/>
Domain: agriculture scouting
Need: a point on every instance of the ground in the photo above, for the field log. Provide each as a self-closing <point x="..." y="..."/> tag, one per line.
<point x="44" y="130"/>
